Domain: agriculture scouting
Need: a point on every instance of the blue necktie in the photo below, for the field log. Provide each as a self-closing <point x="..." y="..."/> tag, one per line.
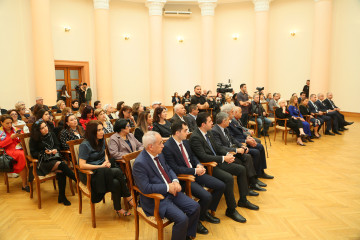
<point x="208" y="141"/>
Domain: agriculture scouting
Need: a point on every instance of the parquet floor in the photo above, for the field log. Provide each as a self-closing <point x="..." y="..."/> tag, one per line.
<point x="315" y="195"/>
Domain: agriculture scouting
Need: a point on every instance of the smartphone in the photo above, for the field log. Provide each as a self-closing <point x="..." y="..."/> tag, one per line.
<point x="18" y="131"/>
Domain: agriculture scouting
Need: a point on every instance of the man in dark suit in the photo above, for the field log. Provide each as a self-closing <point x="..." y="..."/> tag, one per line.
<point x="330" y="105"/>
<point x="335" y="118"/>
<point x="206" y="150"/>
<point x="257" y="150"/>
<point x="180" y="114"/>
<point x="316" y="112"/>
<point x="307" y="88"/>
<point x="193" y="112"/>
<point x="222" y="137"/>
<point x="181" y="159"/>
<point x="153" y="175"/>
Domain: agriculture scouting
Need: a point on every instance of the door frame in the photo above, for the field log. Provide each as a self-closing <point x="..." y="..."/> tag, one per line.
<point x="84" y="68"/>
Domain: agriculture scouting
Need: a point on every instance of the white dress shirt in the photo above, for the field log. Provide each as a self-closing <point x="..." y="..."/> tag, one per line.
<point x="186" y="154"/>
<point x="204" y="135"/>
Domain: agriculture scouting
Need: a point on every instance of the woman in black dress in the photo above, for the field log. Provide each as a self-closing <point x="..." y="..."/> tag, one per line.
<point x="72" y="131"/>
<point x="161" y="125"/>
<point x="304" y="110"/>
<point x="105" y="178"/>
<point x="292" y="122"/>
<point x="45" y="147"/>
<point x="144" y="124"/>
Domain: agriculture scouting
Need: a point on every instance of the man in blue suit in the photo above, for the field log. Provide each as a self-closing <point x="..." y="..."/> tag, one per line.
<point x="181" y="159"/>
<point x="153" y="175"/>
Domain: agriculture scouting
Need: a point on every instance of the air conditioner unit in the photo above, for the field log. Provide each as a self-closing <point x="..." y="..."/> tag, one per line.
<point x="177" y="13"/>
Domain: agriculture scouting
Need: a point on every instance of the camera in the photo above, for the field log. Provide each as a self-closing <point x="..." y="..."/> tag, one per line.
<point x="224" y="87"/>
<point x="259" y="89"/>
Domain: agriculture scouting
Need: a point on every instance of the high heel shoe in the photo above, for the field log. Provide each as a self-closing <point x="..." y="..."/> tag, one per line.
<point x="123" y="212"/>
<point x="309" y="139"/>
<point x="301" y="144"/>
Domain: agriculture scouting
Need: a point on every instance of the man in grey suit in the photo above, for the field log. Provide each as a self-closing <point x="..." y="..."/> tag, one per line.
<point x="273" y="103"/>
<point x="193" y="112"/>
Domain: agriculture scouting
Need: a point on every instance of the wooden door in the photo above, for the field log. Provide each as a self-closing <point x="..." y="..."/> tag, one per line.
<point x="70" y="77"/>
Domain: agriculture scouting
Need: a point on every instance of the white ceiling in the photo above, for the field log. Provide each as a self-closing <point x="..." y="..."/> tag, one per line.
<point x="187" y="2"/>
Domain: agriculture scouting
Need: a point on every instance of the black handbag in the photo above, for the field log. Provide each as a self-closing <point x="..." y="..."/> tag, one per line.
<point x="7" y="163"/>
<point x="50" y="157"/>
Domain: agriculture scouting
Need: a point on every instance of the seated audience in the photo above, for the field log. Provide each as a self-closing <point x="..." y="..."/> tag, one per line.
<point x="75" y="105"/>
<point x="126" y="113"/>
<point x="45" y="147"/>
<point x="262" y="98"/>
<point x="22" y="111"/>
<point x="119" y="105"/>
<point x="330" y="105"/>
<point x="97" y="105"/>
<point x="87" y="115"/>
<point x="123" y="142"/>
<point x="302" y="97"/>
<point x="273" y="103"/>
<point x="137" y="108"/>
<point x="223" y="138"/>
<point x="10" y="142"/>
<point x="40" y="101"/>
<point x="20" y="124"/>
<point x="235" y="100"/>
<point x="64" y="113"/>
<point x="175" y="99"/>
<point x="314" y="110"/>
<point x="35" y="111"/>
<point x="193" y="112"/>
<point x="295" y="113"/>
<point x="237" y="130"/>
<point x="60" y="106"/>
<point x="305" y="111"/>
<point x="186" y="101"/>
<point x="154" y="105"/>
<point x="44" y="116"/>
<point x="205" y="148"/>
<point x="92" y="156"/>
<point x="293" y="123"/>
<point x="81" y="109"/>
<point x="219" y="99"/>
<point x="109" y="111"/>
<point x="179" y="114"/>
<point x="182" y="160"/>
<point x="269" y="96"/>
<point x="161" y="125"/>
<point x="101" y="116"/>
<point x="153" y="175"/>
<point x="72" y="131"/>
<point x="199" y="99"/>
<point x="144" y="124"/>
<point x="258" y="109"/>
<point x="337" y="123"/>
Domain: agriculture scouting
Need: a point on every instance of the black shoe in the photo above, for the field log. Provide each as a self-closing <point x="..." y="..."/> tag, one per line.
<point x="260" y="183"/>
<point x="26" y="188"/>
<point x="210" y="218"/>
<point x="344" y="128"/>
<point x="336" y="132"/>
<point x="256" y="187"/>
<point x="309" y="139"/>
<point x="248" y="205"/>
<point x="64" y="201"/>
<point x="341" y="129"/>
<point x="348" y="123"/>
<point x="189" y="238"/>
<point x="252" y="193"/>
<point x="235" y="216"/>
<point x="201" y="229"/>
<point x="329" y="133"/>
<point x="266" y="176"/>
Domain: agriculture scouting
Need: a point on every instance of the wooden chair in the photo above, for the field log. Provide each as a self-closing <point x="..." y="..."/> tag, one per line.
<point x="82" y="188"/>
<point x="267" y="110"/>
<point x="155" y="221"/>
<point x="25" y="139"/>
<point x="284" y="128"/>
<point x="6" y="179"/>
<point x="29" y="125"/>
<point x="253" y="123"/>
<point x="132" y="130"/>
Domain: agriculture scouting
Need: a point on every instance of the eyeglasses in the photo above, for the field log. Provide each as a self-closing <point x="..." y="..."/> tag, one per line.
<point x="69" y="114"/>
<point x="13" y="114"/>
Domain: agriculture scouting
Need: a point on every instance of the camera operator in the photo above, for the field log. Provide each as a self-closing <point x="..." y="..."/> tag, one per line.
<point x="199" y="100"/>
<point x="244" y="101"/>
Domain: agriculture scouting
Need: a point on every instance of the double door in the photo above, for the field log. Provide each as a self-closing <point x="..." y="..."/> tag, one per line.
<point x="71" y="78"/>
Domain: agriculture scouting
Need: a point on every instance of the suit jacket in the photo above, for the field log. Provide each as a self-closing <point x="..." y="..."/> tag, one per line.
<point x="118" y="147"/>
<point x="321" y="106"/>
<point x="175" y="158"/>
<point x="202" y="150"/>
<point x="272" y="104"/>
<point x="228" y="143"/>
<point x="312" y="108"/>
<point x="329" y="104"/>
<point x="177" y="118"/>
<point x="237" y="131"/>
<point x="149" y="180"/>
<point x="191" y="123"/>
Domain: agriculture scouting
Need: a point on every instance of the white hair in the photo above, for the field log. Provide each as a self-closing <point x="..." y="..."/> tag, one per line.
<point x="149" y="138"/>
<point x="177" y="107"/>
<point x="319" y="94"/>
<point x="227" y="107"/>
<point x="106" y="107"/>
<point x="282" y="100"/>
<point x="236" y="109"/>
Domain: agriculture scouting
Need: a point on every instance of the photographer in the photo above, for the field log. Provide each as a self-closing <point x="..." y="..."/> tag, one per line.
<point x="257" y="108"/>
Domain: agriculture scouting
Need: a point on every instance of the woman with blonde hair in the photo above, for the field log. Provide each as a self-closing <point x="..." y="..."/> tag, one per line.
<point x="144" y="125"/>
<point x="294" y="111"/>
<point x="60" y="106"/>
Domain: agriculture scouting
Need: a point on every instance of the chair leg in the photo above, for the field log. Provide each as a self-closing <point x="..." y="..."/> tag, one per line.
<point x="71" y="187"/>
<point x="38" y="193"/>
<point x="54" y="183"/>
<point x="92" y="206"/>
<point x="285" y="132"/>
<point x="274" y="134"/>
<point x="160" y="233"/>
<point x="6" y="182"/>
<point x="31" y="189"/>
<point x="80" y="201"/>
<point x="104" y="199"/>
<point x="283" y="135"/>
<point x="136" y="225"/>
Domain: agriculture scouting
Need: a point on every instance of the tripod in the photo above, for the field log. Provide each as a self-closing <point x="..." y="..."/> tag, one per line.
<point x="258" y="110"/>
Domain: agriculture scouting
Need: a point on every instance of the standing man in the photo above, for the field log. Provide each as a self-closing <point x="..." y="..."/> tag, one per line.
<point x="182" y="160"/>
<point x="199" y="100"/>
<point x="153" y="175"/>
<point x="306" y="88"/>
<point x="244" y="102"/>
<point x="88" y="93"/>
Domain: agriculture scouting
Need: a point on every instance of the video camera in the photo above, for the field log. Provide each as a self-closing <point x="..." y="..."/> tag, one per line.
<point x="224" y="87"/>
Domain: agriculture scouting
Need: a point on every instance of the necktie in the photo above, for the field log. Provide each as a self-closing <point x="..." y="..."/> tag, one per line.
<point x="184" y="156"/>
<point x="333" y="106"/>
<point x="315" y="106"/>
<point x="226" y="135"/>
<point x="208" y="141"/>
<point x="162" y="170"/>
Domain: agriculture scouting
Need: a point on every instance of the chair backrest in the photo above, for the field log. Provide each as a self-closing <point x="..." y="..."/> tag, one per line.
<point x="129" y="162"/>
<point x="188" y="136"/>
<point x="265" y="106"/>
<point x="107" y="139"/>
<point x="57" y="116"/>
<point x="132" y="130"/>
<point x="74" y="149"/>
<point x="25" y="142"/>
<point x="29" y="125"/>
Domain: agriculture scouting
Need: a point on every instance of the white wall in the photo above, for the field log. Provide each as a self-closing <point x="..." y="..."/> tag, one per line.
<point x="16" y="66"/>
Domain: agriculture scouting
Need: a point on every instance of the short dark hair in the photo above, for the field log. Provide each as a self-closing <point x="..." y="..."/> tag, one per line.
<point x="192" y="107"/>
<point x="120" y="124"/>
<point x="242" y="85"/>
<point x="302" y="93"/>
<point x="96" y="103"/>
<point x="4" y="117"/>
<point x="40" y="113"/>
<point x="85" y="83"/>
<point x="74" y="101"/>
<point x="202" y="118"/>
<point x="157" y="112"/>
<point x="274" y="94"/>
<point x="91" y="135"/>
<point x="196" y="86"/>
<point x="308" y="80"/>
<point x="177" y="126"/>
<point x="124" y="109"/>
